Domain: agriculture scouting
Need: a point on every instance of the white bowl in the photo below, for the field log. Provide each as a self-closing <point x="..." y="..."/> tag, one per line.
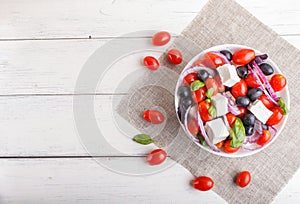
<point x="284" y="94"/>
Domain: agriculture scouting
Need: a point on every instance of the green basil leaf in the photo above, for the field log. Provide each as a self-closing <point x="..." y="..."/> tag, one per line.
<point x="237" y="133"/>
<point x="196" y="85"/>
<point x="202" y="141"/>
<point x="283" y="106"/>
<point x="212" y="111"/>
<point x="143" y="139"/>
<point x="208" y="100"/>
<point x="210" y="92"/>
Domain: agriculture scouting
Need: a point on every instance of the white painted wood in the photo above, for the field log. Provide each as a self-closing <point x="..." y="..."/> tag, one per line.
<point x="84" y="181"/>
<point x="44" y="126"/>
<point x="43" y="67"/>
<point x="67" y="18"/>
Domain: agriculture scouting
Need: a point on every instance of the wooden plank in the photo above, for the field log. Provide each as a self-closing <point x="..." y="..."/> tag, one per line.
<point x="102" y="18"/>
<point x="85" y="181"/>
<point x="44" y="126"/>
<point x="52" y="67"/>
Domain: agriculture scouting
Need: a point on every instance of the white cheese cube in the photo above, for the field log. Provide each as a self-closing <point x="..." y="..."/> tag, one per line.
<point x="260" y="111"/>
<point x="216" y="130"/>
<point x="228" y="75"/>
<point x="220" y="103"/>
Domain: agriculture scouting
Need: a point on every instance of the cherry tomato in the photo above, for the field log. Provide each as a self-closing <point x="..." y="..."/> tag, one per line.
<point x="203" y="110"/>
<point x="264" y="138"/>
<point x="266" y="101"/>
<point x="212" y="83"/>
<point x="231" y="119"/>
<point x="200" y="94"/>
<point x="243" y="111"/>
<point x="197" y="63"/>
<point x="161" y="38"/>
<point x="220" y="144"/>
<point x="243" y="179"/>
<point x="153" y="116"/>
<point x="203" y="183"/>
<point x="278" y="82"/>
<point x="193" y="126"/>
<point x="243" y="56"/>
<point x="228" y="148"/>
<point x="174" y="56"/>
<point x="251" y="82"/>
<point x="239" y="89"/>
<point x="276" y="117"/>
<point x="151" y="63"/>
<point x="190" y="78"/>
<point x="212" y="60"/>
<point x="156" y="157"/>
<point x="221" y="87"/>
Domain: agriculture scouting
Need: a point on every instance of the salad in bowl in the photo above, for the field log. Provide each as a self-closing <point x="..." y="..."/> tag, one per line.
<point x="232" y="100"/>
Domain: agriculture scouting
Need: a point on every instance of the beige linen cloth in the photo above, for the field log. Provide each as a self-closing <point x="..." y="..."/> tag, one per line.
<point x="224" y="22"/>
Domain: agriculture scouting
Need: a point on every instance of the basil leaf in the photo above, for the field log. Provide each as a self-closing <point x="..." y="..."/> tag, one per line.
<point x="283" y="106"/>
<point x="143" y="139"/>
<point x="212" y="111"/>
<point x="196" y="85"/>
<point x="237" y="133"/>
<point x="202" y="141"/>
<point x="208" y="100"/>
<point x="210" y="92"/>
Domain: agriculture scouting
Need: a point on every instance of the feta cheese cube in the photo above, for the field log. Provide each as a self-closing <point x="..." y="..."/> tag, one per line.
<point x="220" y="103"/>
<point x="216" y="130"/>
<point x="260" y="111"/>
<point x="228" y="75"/>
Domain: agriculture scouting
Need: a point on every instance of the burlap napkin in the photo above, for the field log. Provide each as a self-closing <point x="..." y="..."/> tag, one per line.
<point x="224" y="22"/>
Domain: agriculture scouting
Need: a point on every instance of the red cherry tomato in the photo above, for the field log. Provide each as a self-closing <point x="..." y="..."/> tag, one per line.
<point x="220" y="144"/>
<point x="212" y="60"/>
<point x="212" y="83"/>
<point x="161" y="38"/>
<point x="156" y="157"/>
<point x="251" y="82"/>
<point x="203" y="183"/>
<point x="264" y="138"/>
<point x="197" y="63"/>
<point x="278" y="82"/>
<point x="153" y="116"/>
<point x="239" y="89"/>
<point x="243" y="179"/>
<point x="174" y="56"/>
<point x="228" y="148"/>
<point x="193" y="126"/>
<point x="276" y="117"/>
<point x="190" y="78"/>
<point x="151" y="63"/>
<point x="200" y="94"/>
<point x="231" y="119"/>
<point x="243" y="111"/>
<point x="243" y="56"/>
<point x="266" y="101"/>
<point x="203" y="110"/>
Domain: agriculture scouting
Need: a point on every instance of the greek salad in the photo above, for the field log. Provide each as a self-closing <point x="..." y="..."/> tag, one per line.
<point x="229" y="100"/>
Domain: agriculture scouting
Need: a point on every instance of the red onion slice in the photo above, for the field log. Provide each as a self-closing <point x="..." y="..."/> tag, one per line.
<point x="226" y="61"/>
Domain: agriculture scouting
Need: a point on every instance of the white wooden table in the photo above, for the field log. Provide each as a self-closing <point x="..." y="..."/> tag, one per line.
<point x="43" y="46"/>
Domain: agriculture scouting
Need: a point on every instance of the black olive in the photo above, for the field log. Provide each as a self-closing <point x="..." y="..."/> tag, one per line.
<point x="184" y="92"/>
<point x="249" y="119"/>
<point x="227" y="54"/>
<point x="187" y="102"/>
<point x="249" y="130"/>
<point x="242" y="101"/>
<point x="254" y="94"/>
<point x="265" y="127"/>
<point x="203" y="75"/>
<point x="242" y="72"/>
<point x="266" y="69"/>
<point x="227" y="88"/>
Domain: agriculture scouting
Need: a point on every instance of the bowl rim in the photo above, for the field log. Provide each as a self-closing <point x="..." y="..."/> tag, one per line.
<point x="236" y="154"/>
